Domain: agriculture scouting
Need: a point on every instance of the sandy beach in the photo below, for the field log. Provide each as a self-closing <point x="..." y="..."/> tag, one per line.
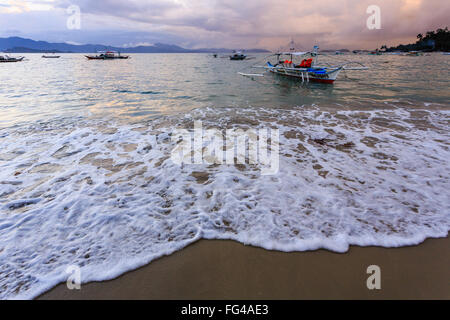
<point x="214" y="269"/>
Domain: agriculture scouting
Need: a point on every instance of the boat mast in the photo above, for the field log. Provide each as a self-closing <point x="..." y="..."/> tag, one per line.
<point x="292" y="45"/>
<point x="292" y="49"/>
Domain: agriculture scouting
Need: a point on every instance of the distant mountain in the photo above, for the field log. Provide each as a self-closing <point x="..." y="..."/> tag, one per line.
<point x="334" y="50"/>
<point x="225" y="50"/>
<point x="28" y="50"/>
<point x="17" y="44"/>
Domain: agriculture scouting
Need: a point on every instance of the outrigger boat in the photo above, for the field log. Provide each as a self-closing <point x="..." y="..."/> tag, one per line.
<point x="7" y="58"/>
<point x="107" y="55"/>
<point x="307" y="70"/>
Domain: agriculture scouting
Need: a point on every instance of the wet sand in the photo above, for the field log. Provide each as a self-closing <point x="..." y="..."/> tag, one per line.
<point x="214" y="269"/>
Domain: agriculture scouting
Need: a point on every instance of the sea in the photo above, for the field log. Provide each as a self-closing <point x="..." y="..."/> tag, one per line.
<point x="87" y="177"/>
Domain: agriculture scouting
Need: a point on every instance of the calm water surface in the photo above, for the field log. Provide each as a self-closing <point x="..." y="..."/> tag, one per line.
<point x="155" y="84"/>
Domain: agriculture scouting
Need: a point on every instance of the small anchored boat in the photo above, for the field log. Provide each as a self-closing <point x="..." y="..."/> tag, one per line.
<point x="107" y="55"/>
<point x="238" y="56"/>
<point x="7" y="58"/>
<point x="50" y="56"/>
<point x="413" y="54"/>
<point x="307" y="69"/>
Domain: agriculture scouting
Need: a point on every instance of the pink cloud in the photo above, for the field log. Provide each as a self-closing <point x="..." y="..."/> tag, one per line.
<point x="266" y="23"/>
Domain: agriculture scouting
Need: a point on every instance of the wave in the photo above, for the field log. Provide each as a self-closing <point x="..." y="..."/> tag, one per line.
<point x="107" y="197"/>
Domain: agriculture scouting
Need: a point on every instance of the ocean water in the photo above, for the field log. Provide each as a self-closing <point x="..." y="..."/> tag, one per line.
<point x="86" y="177"/>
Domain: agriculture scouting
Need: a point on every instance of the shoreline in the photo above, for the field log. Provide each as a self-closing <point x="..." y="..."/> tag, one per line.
<point x="225" y="269"/>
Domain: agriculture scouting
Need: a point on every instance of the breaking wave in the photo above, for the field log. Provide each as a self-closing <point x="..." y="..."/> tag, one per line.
<point x="106" y="196"/>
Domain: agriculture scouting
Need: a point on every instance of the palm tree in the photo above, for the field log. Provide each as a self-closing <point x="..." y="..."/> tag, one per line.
<point x="420" y="36"/>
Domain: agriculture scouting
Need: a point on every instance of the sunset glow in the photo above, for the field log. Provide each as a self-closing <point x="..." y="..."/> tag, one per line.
<point x="230" y="23"/>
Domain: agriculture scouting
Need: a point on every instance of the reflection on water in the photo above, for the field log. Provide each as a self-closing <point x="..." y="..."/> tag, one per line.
<point x="152" y="84"/>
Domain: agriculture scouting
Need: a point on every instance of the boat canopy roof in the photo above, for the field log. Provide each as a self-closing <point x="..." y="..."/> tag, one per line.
<point x="293" y="53"/>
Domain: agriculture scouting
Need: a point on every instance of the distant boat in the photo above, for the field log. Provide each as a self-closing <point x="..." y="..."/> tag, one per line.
<point x="375" y="53"/>
<point x="446" y="53"/>
<point x="339" y="52"/>
<point x="50" y="57"/>
<point x="215" y="55"/>
<point x="108" y="55"/>
<point x="413" y="53"/>
<point x="7" y="58"/>
<point x="238" y="56"/>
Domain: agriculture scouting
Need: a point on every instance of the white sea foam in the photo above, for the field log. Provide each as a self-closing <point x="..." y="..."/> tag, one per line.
<point x="106" y="196"/>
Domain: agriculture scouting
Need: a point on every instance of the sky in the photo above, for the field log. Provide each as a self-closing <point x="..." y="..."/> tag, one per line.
<point x="269" y="24"/>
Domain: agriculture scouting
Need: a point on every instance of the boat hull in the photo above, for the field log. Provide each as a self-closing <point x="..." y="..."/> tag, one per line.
<point x="12" y="60"/>
<point x="328" y="78"/>
<point x="106" y="58"/>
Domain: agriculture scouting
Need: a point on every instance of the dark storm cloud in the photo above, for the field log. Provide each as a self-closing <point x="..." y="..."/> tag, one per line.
<point x="267" y="23"/>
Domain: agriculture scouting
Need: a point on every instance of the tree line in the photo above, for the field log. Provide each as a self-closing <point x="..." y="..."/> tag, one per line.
<point x="438" y="40"/>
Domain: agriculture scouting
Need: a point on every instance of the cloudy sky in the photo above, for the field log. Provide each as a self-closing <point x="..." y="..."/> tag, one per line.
<point x="224" y="23"/>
